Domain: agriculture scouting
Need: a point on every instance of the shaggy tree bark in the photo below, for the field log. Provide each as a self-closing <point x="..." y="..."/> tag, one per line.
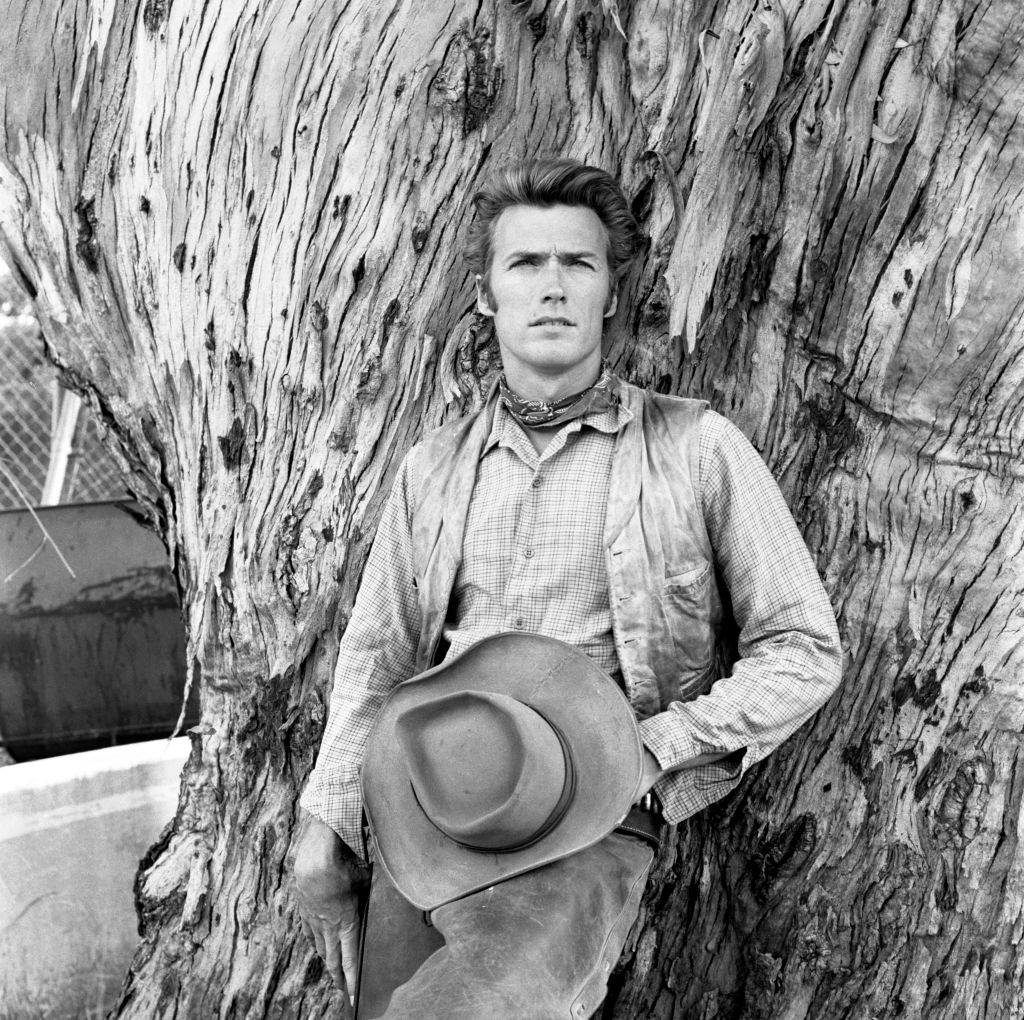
<point x="241" y="225"/>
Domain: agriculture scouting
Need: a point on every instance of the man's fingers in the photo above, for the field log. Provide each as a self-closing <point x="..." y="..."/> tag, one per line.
<point x="350" y="957"/>
<point x="318" y="941"/>
<point x="329" y="883"/>
<point x="333" y="959"/>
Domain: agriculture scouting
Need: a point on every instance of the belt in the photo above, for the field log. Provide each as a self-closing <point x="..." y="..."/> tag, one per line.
<point x="644" y="821"/>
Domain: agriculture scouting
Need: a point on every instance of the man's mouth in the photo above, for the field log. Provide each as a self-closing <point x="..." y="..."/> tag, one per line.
<point x="552" y="321"/>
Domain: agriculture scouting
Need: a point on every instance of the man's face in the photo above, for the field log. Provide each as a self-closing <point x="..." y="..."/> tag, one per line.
<point x="550" y="292"/>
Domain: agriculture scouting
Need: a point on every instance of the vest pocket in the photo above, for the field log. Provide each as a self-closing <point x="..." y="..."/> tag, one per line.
<point x="688" y="580"/>
<point x="686" y="599"/>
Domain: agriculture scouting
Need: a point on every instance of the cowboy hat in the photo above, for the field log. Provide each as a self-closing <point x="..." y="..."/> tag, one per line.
<point x="516" y="753"/>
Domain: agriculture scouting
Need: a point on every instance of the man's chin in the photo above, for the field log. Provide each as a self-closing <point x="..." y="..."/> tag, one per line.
<point x="550" y="354"/>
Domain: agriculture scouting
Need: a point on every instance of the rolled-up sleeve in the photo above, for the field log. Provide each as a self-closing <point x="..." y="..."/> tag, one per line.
<point x="790" y="660"/>
<point x="377" y="652"/>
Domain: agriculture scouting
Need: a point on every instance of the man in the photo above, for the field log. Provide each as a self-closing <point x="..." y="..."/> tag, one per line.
<point x="589" y="511"/>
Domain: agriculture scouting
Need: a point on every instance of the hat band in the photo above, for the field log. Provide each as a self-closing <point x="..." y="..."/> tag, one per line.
<point x="557" y="812"/>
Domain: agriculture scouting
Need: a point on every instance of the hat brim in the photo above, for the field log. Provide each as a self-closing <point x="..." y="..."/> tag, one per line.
<point x="569" y="690"/>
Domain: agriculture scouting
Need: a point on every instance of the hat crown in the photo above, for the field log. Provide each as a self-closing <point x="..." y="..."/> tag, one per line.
<point x="488" y="770"/>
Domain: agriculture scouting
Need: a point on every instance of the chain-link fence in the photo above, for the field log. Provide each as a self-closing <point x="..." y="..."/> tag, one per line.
<point x="38" y="423"/>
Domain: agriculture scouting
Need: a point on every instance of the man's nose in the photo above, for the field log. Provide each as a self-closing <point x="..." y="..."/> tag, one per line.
<point x="554" y="289"/>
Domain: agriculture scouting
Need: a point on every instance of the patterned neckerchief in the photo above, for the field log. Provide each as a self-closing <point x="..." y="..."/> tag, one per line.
<point x="541" y="414"/>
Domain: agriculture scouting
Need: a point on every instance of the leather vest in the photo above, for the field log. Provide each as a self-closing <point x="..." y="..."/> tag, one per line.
<point x="665" y="603"/>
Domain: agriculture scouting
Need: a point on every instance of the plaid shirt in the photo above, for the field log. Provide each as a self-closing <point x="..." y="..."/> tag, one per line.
<point x="533" y="560"/>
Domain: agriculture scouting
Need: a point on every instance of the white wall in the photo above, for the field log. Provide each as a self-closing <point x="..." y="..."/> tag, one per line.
<point x="72" y="831"/>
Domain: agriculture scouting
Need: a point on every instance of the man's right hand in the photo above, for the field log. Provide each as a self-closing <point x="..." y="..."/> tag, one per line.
<point x="330" y="883"/>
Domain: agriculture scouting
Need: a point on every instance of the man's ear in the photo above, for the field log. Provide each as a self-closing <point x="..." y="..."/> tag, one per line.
<point x="613" y="303"/>
<point x="483" y="298"/>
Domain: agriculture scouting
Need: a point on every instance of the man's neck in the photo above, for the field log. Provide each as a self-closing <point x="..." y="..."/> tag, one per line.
<point x="531" y="386"/>
<point x="539" y="438"/>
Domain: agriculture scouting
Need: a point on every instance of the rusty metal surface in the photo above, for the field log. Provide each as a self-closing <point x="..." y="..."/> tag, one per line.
<point x="93" y="660"/>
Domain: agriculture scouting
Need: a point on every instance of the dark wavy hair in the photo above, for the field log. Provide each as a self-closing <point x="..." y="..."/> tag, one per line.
<point x="548" y="182"/>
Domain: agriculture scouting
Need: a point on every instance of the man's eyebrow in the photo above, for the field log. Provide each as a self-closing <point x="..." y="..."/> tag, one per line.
<point x="562" y="255"/>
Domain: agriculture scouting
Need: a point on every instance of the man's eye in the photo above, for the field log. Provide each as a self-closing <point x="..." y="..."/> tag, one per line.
<point x="581" y="262"/>
<point x="523" y="262"/>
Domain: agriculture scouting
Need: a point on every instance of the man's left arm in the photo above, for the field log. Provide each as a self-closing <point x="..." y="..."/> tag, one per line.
<point x="790" y="658"/>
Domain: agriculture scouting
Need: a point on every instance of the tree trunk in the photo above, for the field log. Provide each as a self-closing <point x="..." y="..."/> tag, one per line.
<point x="241" y="225"/>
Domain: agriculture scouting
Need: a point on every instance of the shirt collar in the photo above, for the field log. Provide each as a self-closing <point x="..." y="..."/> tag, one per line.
<point x="610" y="421"/>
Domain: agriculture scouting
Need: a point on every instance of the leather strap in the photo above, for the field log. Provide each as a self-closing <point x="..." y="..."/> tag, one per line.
<point x="645" y="824"/>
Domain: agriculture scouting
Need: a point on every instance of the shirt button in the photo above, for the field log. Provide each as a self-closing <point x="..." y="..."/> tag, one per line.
<point x="528" y="553"/>
<point x="536" y="482"/>
<point x="518" y="623"/>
